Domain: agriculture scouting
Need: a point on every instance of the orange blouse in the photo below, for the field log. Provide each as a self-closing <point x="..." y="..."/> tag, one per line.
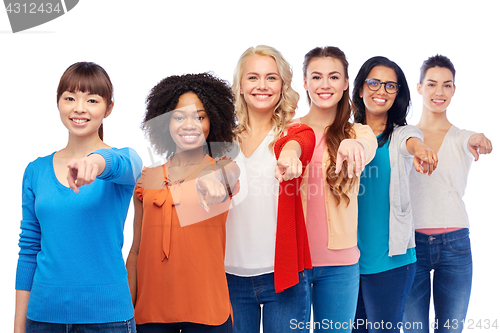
<point x="180" y="268"/>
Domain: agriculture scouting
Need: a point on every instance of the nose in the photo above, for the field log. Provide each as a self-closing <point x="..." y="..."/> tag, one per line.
<point x="439" y="91"/>
<point x="325" y="84"/>
<point x="190" y="123"/>
<point x="80" y="106"/>
<point x="262" y="84"/>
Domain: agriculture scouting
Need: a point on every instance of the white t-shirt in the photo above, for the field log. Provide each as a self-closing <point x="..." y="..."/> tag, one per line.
<point x="437" y="199"/>
<point x="251" y="222"/>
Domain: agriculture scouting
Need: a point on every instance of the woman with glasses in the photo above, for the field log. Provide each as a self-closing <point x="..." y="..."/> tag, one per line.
<point x="385" y="229"/>
<point x="330" y="187"/>
<point x="438" y="230"/>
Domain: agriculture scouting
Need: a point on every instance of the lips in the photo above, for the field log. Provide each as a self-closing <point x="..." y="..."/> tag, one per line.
<point x="79" y="121"/>
<point x="189" y="137"/>
<point x="438" y="101"/>
<point x="379" y="101"/>
<point x="261" y="96"/>
<point x="325" y="95"/>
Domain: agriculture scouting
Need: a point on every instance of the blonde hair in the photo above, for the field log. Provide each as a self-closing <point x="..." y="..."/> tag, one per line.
<point x="285" y="108"/>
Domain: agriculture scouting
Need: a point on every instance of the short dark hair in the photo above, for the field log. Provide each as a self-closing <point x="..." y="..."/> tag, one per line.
<point x="398" y="111"/>
<point x="436" y="61"/>
<point x="217" y="99"/>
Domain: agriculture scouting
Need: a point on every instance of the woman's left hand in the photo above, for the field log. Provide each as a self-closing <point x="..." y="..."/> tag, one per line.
<point x="354" y="152"/>
<point x="479" y="144"/>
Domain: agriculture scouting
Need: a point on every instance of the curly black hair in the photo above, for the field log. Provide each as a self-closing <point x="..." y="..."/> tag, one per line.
<point x="217" y="99"/>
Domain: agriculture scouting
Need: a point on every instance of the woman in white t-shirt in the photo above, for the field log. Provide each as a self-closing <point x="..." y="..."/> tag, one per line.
<point x="441" y="222"/>
<point x="266" y="247"/>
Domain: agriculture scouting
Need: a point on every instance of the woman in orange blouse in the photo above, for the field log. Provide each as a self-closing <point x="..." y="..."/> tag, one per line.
<point x="176" y="263"/>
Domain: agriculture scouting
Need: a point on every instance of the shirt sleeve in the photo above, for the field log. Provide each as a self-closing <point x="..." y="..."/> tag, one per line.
<point x="123" y="166"/>
<point x="406" y="132"/>
<point x="464" y="136"/>
<point x="29" y="240"/>
<point x="368" y="140"/>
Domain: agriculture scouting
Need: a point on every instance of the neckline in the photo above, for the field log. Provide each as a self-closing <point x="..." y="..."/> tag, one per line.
<point x="58" y="183"/>
<point x="444" y="138"/>
<point x="258" y="148"/>
<point x="206" y="160"/>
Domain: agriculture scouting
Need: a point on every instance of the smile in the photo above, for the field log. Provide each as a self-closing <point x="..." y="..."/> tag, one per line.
<point x="379" y="101"/>
<point x="79" y="120"/>
<point x="325" y="95"/>
<point x="261" y="97"/>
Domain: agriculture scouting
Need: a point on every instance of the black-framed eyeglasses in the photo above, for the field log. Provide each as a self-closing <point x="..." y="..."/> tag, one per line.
<point x="389" y="86"/>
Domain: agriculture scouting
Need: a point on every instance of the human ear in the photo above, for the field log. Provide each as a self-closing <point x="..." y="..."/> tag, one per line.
<point x="419" y="88"/>
<point x="109" y="109"/>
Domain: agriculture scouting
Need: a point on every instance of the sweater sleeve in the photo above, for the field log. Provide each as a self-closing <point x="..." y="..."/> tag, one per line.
<point x="304" y="135"/>
<point x="29" y="240"/>
<point x="367" y="138"/>
<point x="123" y="166"/>
<point x="403" y="134"/>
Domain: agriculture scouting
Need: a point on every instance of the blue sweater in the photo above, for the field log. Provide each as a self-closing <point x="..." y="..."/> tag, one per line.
<point x="70" y="257"/>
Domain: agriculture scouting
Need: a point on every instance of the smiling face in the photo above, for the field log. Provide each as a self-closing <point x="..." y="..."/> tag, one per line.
<point x="437" y="89"/>
<point x="377" y="103"/>
<point x="261" y="84"/>
<point x="82" y="113"/>
<point x="189" y="124"/>
<point x="325" y="82"/>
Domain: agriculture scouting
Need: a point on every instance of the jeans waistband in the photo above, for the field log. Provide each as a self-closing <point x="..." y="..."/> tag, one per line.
<point x="441" y="238"/>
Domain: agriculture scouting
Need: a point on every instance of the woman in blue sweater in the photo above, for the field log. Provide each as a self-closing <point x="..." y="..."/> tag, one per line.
<point x="71" y="275"/>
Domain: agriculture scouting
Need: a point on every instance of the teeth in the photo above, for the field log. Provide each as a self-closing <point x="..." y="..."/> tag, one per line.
<point x="325" y="95"/>
<point x="438" y="100"/>
<point x="79" y="121"/>
<point x="261" y="96"/>
<point x="379" y="100"/>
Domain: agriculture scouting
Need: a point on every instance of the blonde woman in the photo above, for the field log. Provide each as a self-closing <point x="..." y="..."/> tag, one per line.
<point x="267" y="249"/>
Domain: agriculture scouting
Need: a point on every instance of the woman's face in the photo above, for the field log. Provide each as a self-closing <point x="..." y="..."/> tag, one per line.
<point x="437" y="89"/>
<point x="377" y="103"/>
<point x="82" y="113"/>
<point x="325" y="82"/>
<point x="261" y="84"/>
<point x="189" y="124"/>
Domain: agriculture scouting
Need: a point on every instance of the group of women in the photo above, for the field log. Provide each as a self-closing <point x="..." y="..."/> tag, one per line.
<point x="257" y="217"/>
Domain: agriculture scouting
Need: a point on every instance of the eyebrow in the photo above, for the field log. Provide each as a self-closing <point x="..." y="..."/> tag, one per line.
<point x="182" y="111"/>
<point x="253" y="73"/>
<point x="443" y="82"/>
<point x="334" y="72"/>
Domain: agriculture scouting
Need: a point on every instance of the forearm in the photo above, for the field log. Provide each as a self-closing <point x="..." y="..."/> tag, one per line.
<point x="292" y="147"/>
<point x="131" y="266"/>
<point x="413" y="144"/>
<point x="22" y="298"/>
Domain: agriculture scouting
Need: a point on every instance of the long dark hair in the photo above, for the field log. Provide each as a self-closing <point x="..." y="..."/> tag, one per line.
<point x="87" y="77"/>
<point x="396" y="115"/>
<point x="337" y="131"/>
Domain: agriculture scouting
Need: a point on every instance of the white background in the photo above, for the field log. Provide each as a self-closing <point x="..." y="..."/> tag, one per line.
<point x="141" y="42"/>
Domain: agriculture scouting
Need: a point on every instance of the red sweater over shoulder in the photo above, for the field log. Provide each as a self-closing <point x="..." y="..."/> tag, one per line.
<point x="292" y="248"/>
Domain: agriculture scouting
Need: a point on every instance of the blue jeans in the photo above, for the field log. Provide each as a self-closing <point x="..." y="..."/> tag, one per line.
<point x="127" y="326"/>
<point x="382" y="298"/>
<point x="449" y="255"/>
<point x="334" y="295"/>
<point x="227" y="327"/>
<point x="281" y="312"/>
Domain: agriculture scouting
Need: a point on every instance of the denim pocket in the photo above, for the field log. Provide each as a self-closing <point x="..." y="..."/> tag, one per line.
<point x="460" y="246"/>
